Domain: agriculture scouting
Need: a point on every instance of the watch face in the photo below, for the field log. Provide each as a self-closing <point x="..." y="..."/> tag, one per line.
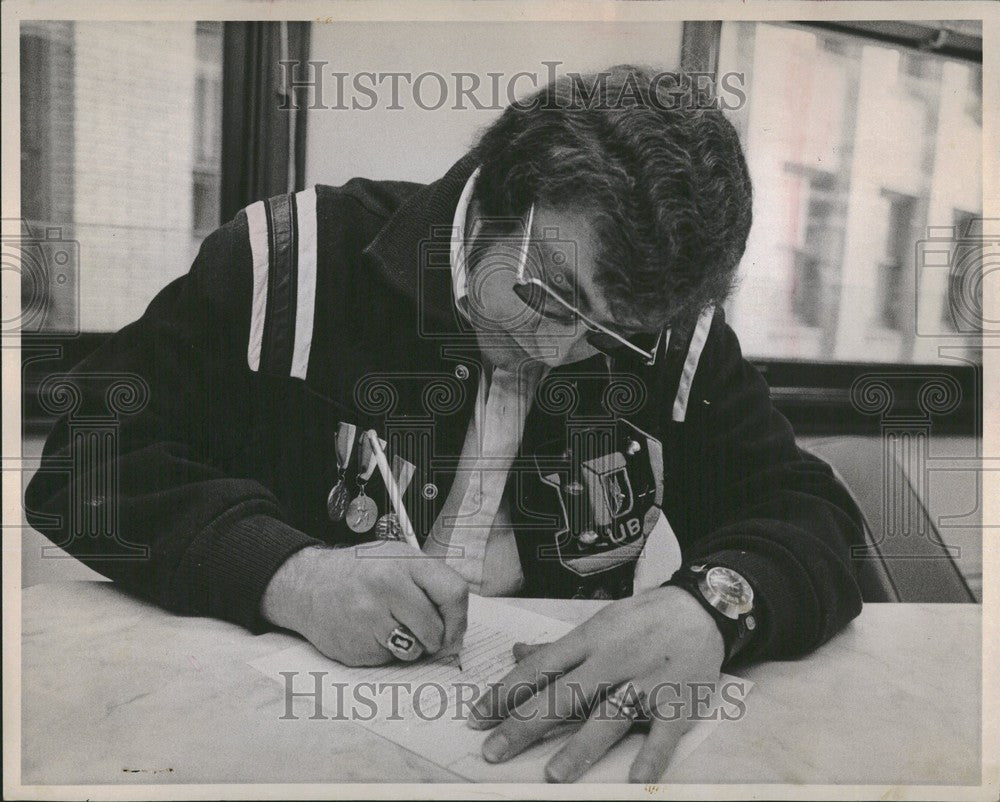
<point x="731" y="592"/>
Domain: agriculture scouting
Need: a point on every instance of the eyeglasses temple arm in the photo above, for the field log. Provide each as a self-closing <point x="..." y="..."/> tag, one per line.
<point x="523" y="260"/>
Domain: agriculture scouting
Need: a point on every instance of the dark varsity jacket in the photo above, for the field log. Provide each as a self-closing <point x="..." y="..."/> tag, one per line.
<point x="335" y="305"/>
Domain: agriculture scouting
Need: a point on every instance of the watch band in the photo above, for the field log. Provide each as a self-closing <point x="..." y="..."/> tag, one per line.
<point x="737" y="632"/>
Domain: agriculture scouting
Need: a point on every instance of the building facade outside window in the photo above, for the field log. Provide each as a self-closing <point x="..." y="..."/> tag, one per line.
<point x="120" y="154"/>
<point x="832" y="270"/>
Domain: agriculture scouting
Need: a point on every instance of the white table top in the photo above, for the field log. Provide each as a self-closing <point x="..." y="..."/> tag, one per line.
<point x="115" y="690"/>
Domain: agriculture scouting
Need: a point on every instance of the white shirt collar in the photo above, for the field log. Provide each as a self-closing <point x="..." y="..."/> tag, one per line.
<point x="458" y="252"/>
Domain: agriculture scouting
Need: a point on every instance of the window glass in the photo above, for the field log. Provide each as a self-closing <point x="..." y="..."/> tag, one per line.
<point x="120" y="156"/>
<point x="503" y="61"/>
<point x="856" y="149"/>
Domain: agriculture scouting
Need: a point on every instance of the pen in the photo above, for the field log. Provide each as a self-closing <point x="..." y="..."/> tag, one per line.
<point x="397" y="505"/>
<point x="394" y="497"/>
<point x="458" y="660"/>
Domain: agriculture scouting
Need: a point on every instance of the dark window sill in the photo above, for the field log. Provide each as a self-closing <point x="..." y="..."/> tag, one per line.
<point x="816" y="397"/>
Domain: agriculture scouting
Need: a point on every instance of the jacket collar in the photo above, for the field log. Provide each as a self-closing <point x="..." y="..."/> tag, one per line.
<point x="412" y="249"/>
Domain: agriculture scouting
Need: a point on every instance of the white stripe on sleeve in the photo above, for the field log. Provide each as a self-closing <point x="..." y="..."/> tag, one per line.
<point x="305" y="203"/>
<point x="257" y="221"/>
<point x="691" y="363"/>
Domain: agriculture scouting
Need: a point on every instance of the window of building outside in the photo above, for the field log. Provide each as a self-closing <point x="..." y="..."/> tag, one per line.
<point x="898" y="254"/>
<point x="955" y="313"/>
<point x="120" y="157"/>
<point x="856" y="148"/>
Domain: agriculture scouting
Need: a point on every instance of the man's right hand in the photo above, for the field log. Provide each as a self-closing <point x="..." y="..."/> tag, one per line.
<point x="347" y="601"/>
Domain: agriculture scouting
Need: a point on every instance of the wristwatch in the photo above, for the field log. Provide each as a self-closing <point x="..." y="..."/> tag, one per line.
<point x="727" y="596"/>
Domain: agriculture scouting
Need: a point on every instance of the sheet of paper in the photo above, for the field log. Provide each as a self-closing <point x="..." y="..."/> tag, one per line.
<point x="423" y="706"/>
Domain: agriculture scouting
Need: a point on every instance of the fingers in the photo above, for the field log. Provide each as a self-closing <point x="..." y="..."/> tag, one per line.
<point x="413" y="609"/>
<point x="607" y="725"/>
<point x="533" y="673"/>
<point x="522" y="650"/>
<point x="449" y="593"/>
<point x="568" y="697"/>
<point x="602" y="730"/>
<point x="654" y="757"/>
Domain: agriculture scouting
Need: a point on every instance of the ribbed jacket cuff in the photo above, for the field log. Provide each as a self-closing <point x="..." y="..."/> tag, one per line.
<point x="229" y="565"/>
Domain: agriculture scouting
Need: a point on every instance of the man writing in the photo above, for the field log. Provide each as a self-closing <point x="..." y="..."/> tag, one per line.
<point x="586" y="243"/>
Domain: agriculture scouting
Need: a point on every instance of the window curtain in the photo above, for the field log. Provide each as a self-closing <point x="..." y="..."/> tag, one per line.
<point x="263" y="119"/>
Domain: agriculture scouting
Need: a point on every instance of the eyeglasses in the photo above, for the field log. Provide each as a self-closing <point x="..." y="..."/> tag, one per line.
<point x="534" y="292"/>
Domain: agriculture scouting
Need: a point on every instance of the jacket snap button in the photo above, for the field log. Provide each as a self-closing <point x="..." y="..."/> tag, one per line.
<point x="461" y="372"/>
<point x="430" y="490"/>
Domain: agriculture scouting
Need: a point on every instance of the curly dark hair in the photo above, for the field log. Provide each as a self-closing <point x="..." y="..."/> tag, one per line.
<point x="664" y="182"/>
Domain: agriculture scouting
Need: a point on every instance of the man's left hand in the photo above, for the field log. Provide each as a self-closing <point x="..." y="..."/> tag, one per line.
<point x="662" y="641"/>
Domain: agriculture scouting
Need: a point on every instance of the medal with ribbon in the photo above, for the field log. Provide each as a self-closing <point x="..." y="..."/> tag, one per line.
<point x="363" y="511"/>
<point x="338" y="498"/>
